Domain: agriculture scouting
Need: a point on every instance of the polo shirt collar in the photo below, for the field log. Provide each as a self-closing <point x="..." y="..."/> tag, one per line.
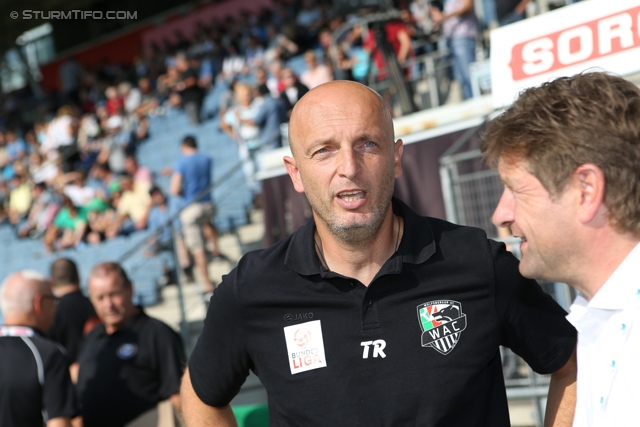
<point x="622" y="287"/>
<point x="135" y="319"/>
<point x="416" y="247"/>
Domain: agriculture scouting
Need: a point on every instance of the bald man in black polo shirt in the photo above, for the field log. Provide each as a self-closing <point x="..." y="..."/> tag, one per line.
<point x="35" y="387"/>
<point x="370" y="314"/>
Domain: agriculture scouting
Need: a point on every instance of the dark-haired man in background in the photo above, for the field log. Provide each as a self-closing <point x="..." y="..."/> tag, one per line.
<point x="75" y="315"/>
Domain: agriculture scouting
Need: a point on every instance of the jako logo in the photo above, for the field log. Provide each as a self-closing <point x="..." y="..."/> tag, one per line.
<point x="297" y="317"/>
<point x="378" y="346"/>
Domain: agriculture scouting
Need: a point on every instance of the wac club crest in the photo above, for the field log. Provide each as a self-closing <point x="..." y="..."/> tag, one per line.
<point x="442" y="322"/>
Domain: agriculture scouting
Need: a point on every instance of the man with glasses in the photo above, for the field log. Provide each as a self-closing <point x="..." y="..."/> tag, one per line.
<point x="35" y="387"/>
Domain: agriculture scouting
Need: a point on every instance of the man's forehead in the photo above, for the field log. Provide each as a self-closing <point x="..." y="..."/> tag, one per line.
<point x="315" y="110"/>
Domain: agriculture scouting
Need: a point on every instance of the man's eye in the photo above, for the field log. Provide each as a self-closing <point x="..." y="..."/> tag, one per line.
<point x="369" y="144"/>
<point x="322" y="151"/>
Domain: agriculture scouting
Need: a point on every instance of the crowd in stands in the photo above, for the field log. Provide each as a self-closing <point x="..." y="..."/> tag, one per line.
<point x="73" y="177"/>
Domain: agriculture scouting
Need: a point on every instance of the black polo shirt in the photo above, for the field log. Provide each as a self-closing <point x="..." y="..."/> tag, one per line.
<point x="74" y="310"/>
<point x="34" y="379"/>
<point x="125" y="374"/>
<point x="418" y="347"/>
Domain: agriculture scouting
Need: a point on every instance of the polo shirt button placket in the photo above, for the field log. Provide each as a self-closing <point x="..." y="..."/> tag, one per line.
<point x="369" y="303"/>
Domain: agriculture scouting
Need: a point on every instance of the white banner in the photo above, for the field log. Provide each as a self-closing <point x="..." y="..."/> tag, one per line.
<point x="602" y="34"/>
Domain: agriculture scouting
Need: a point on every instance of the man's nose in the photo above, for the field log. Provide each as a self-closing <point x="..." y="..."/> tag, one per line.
<point x="503" y="215"/>
<point x="349" y="163"/>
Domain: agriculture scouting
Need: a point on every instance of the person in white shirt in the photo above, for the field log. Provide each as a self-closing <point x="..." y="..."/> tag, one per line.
<point x="568" y="155"/>
<point x="316" y="74"/>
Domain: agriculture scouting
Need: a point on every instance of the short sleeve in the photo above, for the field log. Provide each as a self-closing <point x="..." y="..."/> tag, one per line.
<point x="179" y="167"/>
<point x="171" y="360"/>
<point x="220" y="362"/>
<point x="58" y="395"/>
<point x="533" y="325"/>
<point x="59" y="220"/>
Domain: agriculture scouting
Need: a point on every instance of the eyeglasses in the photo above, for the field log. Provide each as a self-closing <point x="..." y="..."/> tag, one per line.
<point x="51" y="297"/>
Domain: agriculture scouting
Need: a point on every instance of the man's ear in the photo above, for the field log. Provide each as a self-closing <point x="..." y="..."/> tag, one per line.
<point x="398" y="148"/>
<point x="37" y="304"/>
<point x="294" y="173"/>
<point x="590" y="182"/>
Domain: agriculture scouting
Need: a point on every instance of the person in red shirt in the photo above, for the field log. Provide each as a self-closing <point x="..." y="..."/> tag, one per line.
<point x="396" y="34"/>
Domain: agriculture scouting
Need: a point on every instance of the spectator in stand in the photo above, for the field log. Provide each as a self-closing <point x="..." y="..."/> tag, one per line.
<point x="30" y="141"/>
<point x="395" y="32"/>
<point x="316" y="74"/>
<point x="159" y="214"/>
<point x="132" y="208"/>
<point x="460" y="28"/>
<point x="292" y="90"/>
<point x="42" y="212"/>
<point x="70" y="73"/>
<point x="510" y="11"/>
<point x="4" y="196"/>
<point x="75" y="315"/>
<point x="41" y="171"/>
<point x="234" y="63"/>
<point x="166" y="82"/>
<point x="148" y="97"/>
<point x="187" y="87"/>
<point x="334" y="55"/>
<point x="227" y="100"/>
<point x="115" y="144"/>
<point x="270" y="115"/>
<point x="61" y="138"/>
<point x="310" y="17"/>
<point x="131" y="96"/>
<point x="261" y="78"/>
<point x="238" y="123"/>
<point x="237" y="120"/>
<point x="129" y="363"/>
<point x="77" y="190"/>
<point x="4" y="156"/>
<point x="142" y="176"/>
<point x="114" y="102"/>
<point x="254" y="53"/>
<point x="106" y="182"/>
<point x="207" y="73"/>
<point x="274" y="80"/>
<point x="19" y="199"/>
<point x="88" y="133"/>
<point x="100" y="220"/>
<point x="36" y="389"/>
<point x="70" y="224"/>
<point x="421" y="16"/>
<point x="191" y="176"/>
<point x="279" y="47"/>
<point x="161" y="210"/>
<point x="16" y="148"/>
